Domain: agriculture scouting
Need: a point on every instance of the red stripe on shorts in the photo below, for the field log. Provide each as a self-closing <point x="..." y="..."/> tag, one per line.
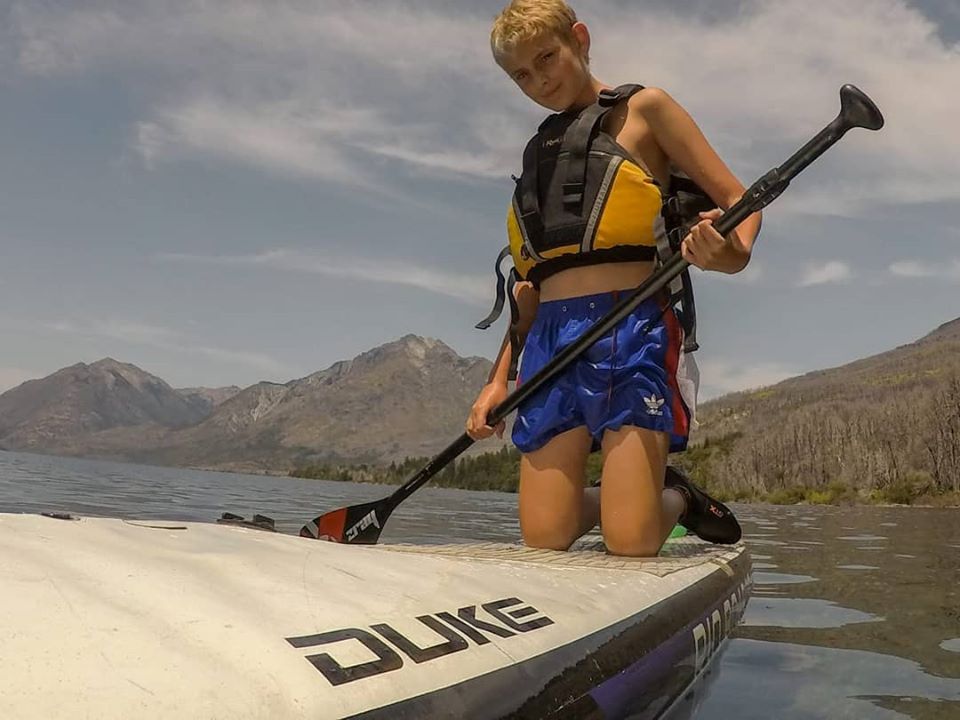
<point x="681" y="421"/>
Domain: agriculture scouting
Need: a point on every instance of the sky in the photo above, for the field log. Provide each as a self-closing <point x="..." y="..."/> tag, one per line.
<point x="229" y="191"/>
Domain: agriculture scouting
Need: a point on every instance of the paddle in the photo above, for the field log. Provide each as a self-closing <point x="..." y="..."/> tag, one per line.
<point x="363" y="523"/>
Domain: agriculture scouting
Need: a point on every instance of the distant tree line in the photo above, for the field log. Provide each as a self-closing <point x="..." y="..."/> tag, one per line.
<point x="498" y="470"/>
<point x="491" y="471"/>
<point x="881" y="447"/>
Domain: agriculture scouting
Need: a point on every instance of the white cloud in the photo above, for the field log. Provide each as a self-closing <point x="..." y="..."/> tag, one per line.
<point x="163" y="338"/>
<point x="315" y="90"/>
<point x="445" y="163"/>
<point x="912" y="268"/>
<point x="721" y="376"/>
<point x="833" y="271"/>
<point x="474" y="289"/>
<point x="323" y="142"/>
<point x="916" y="269"/>
<point x="10" y="377"/>
<point x="270" y="84"/>
<point x="268" y="136"/>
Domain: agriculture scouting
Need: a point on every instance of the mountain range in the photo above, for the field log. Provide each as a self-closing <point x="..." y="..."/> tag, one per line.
<point x="405" y="398"/>
<point x="874" y="422"/>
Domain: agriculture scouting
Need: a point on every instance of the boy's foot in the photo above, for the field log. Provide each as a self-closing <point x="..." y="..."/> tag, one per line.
<point x="710" y="519"/>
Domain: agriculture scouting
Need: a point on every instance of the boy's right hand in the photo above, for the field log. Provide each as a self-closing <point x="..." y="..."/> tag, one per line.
<point x="492" y="395"/>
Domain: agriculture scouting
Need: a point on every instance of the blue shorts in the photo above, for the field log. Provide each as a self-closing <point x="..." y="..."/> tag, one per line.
<point x="628" y="377"/>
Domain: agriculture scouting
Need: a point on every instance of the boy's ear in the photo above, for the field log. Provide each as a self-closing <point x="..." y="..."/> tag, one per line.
<point x="582" y="36"/>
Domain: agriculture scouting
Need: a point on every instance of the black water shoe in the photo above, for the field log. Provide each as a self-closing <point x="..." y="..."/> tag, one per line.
<point x="710" y="519"/>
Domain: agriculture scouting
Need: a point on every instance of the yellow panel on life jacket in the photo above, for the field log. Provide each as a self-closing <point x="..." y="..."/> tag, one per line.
<point x="631" y="208"/>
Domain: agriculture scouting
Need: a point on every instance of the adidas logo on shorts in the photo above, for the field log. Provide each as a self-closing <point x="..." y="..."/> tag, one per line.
<point x="654" y="405"/>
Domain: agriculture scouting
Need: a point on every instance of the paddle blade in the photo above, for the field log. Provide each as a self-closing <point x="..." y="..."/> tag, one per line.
<point x="357" y="524"/>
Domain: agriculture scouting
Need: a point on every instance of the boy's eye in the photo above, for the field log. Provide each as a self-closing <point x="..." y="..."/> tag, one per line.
<point x="520" y="76"/>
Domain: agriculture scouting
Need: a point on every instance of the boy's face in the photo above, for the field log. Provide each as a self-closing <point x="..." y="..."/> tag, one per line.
<point x="549" y="70"/>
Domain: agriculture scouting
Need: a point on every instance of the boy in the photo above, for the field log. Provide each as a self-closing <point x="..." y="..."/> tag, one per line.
<point x="621" y="394"/>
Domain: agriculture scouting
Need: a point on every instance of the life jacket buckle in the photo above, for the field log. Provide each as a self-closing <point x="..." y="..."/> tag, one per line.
<point x="671" y="207"/>
<point x="608" y="97"/>
<point x="572" y="193"/>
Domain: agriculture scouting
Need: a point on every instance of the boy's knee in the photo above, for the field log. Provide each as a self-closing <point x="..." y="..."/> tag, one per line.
<point x="548" y="538"/>
<point x="632" y="546"/>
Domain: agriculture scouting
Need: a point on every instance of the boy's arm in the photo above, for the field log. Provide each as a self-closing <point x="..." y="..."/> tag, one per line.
<point x="528" y="299"/>
<point x="495" y="391"/>
<point x="685" y="145"/>
<point x="501" y="366"/>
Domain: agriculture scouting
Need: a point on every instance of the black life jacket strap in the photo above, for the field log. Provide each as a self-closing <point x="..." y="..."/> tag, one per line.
<point x="576" y="141"/>
<point x="609" y="98"/>
<point x="670" y="233"/>
<point x="505" y="292"/>
<point x="574" y="153"/>
<point x="501" y="283"/>
<point x="681" y="287"/>
<point x="529" y="183"/>
<point x="516" y="343"/>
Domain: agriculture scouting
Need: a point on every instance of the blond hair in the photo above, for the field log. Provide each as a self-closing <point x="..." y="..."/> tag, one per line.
<point x="523" y="20"/>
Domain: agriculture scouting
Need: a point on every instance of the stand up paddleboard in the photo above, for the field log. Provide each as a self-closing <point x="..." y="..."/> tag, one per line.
<point x="107" y="618"/>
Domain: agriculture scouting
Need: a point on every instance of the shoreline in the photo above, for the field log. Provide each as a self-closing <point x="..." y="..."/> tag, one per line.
<point x="835" y="494"/>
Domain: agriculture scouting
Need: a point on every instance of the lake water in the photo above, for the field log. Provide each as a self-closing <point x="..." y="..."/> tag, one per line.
<point x="855" y="611"/>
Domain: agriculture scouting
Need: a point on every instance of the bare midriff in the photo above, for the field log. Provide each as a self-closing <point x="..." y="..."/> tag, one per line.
<point x="594" y="279"/>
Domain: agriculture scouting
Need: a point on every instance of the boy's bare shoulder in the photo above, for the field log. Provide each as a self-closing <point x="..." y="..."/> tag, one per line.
<point x="649" y="100"/>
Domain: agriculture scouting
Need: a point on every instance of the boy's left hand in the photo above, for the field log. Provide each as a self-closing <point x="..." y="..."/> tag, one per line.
<point x="704" y="246"/>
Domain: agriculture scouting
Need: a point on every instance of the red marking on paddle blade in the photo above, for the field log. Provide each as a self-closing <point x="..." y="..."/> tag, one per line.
<point x="326" y="527"/>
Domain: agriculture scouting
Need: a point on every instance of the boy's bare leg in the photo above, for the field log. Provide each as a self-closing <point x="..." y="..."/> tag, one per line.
<point x="674" y="505"/>
<point x="554" y="509"/>
<point x="637" y="513"/>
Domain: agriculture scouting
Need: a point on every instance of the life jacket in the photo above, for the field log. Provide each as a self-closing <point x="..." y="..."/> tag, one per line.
<point x="583" y="199"/>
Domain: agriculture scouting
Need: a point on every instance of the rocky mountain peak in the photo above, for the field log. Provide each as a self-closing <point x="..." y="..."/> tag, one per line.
<point x="412" y="349"/>
<point x="111" y="370"/>
<point x="88" y="398"/>
<point x="413" y="346"/>
<point x="420" y="346"/>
